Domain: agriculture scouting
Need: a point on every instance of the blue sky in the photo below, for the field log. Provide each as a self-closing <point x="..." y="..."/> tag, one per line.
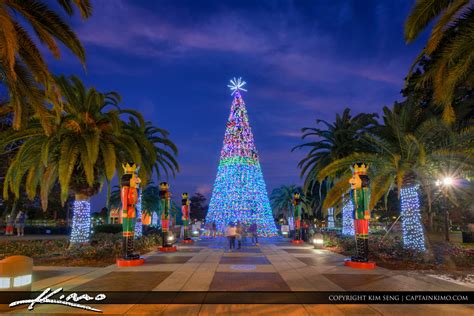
<point x="302" y="60"/>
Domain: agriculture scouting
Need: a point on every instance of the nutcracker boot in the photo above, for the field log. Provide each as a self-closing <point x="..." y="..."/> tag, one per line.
<point x="130" y="254"/>
<point x="124" y="247"/>
<point x="357" y="255"/>
<point x="362" y="249"/>
<point x="365" y="248"/>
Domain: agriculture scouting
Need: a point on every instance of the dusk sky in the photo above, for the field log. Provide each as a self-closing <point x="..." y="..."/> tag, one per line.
<point x="302" y="60"/>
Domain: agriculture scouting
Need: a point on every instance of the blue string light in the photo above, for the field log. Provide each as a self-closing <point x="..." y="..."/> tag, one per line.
<point x="138" y="222"/>
<point x="331" y="218"/>
<point x="413" y="236"/>
<point x="154" y="219"/>
<point x="81" y="222"/>
<point x="347" y="216"/>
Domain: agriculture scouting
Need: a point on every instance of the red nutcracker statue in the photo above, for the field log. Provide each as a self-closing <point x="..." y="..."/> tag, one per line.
<point x="165" y="205"/>
<point x="297" y="216"/>
<point x="185" y="210"/>
<point x="360" y="194"/>
<point x="129" y="196"/>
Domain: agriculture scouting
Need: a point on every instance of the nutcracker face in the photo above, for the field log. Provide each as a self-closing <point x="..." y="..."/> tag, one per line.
<point x="296" y="198"/>
<point x="164" y="186"/>
<point x="356" y="182"/>
<point x="135" y="181"/>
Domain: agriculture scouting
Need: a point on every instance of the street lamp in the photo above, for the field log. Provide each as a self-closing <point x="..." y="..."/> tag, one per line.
<point x="448" y="181"/>
<point x="444" y="184"/>
<point x="318" y="241"/>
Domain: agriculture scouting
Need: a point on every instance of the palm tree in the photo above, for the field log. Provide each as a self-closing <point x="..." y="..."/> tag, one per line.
<point x="154" y="147"/>
<point x="165" y="162"/>
<point x="337" y="140"/>
<point x="449" y="46"/>
<point x="22" y="67"/>
<point x="410" y="150"/>
<point x="281" y="200"/>
<point x="85" y="149"/>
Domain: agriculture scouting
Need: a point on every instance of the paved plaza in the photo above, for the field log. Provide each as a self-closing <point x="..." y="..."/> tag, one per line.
<point x="275" y="265"/>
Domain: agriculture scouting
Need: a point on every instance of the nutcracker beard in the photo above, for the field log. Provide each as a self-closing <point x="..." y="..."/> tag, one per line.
<point x="362" y="240"/>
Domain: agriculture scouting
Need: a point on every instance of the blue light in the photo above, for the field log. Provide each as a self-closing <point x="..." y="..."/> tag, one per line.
<point x="347" y="219"/>
<point x="413" y="236"/>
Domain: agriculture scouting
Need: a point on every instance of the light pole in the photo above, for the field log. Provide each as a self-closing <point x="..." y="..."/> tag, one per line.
<point x="444" y="185"/>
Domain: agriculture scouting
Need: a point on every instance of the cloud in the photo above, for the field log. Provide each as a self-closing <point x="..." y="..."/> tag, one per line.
<point x="268" y="38"/>
<point x="204" y="189"/>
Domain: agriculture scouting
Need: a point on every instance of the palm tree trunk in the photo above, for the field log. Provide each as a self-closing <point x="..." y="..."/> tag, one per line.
<point x="347" y="220"/>
<point x="138" y="220"/>
<point x="431" y="221"/>
<point x="107" y="201"/>
<point x="412" y="227"/>
<point x="14" y="209"/>
<point x="81" y="220"/>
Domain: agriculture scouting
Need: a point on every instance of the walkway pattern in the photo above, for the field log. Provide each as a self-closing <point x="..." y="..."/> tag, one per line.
<point x="275" y="265"/>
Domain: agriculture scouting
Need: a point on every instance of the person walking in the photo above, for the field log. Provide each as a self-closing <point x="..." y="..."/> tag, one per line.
<point x="239" y="231"/>
<point x="230" y="234"/>
<point x="20" y="223"/>
<point x="214" y="229"/>
<point x="253" y="232"/>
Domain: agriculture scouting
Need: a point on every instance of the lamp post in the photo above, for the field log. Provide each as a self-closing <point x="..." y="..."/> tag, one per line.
<point x="444" y="185"/>
<point x="318" y="241"/>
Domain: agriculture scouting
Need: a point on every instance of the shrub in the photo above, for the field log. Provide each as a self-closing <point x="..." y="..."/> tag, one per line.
<point x="102" y="247"/>
<point x="389" y="250"/>
<point x="40" y="230"/>
<point x="32" y="248"/>
<point x="108" y="228"/>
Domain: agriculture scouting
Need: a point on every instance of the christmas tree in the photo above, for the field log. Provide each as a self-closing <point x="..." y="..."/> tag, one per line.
<point x="239" y="192"/>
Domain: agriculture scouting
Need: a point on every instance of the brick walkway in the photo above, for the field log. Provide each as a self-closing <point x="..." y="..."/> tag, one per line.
<point x="275" y="265"/>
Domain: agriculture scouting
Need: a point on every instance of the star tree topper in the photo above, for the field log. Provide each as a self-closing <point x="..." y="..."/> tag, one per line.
<point x="237" y="85"/>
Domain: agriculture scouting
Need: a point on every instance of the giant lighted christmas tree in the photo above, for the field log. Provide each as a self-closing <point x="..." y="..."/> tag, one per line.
<point x="239" y="192"/>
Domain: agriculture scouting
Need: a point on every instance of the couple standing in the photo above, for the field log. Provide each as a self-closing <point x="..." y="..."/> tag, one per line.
<point x="236" y="232"/>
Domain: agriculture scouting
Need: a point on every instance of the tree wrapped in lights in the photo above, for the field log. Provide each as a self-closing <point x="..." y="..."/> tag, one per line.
<point x="413" y="236"/>
<point x="154" y="219"/>
<point x="331" y="218"/>
<point x="81" y="222"/>
<point x="239" y="192"/>
<point x="138" y="223"/>
<point x="347" y="211"/>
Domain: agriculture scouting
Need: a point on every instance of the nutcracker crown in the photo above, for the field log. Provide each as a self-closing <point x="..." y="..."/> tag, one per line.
<point x="360" y="168"/>
<point x="184" y="196"/>
<point x="164" y="186"/>
<point x="296" y="195"/>
<point x="130" y="167"/>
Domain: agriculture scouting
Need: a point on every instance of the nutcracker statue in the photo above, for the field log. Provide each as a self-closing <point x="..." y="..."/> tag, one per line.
<point x="185" y="209"/>
<point x="297" y="216"/>
<point x="360" y="195"/>
<point x="129" y="196"/>
<point x="165" y="205"/>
